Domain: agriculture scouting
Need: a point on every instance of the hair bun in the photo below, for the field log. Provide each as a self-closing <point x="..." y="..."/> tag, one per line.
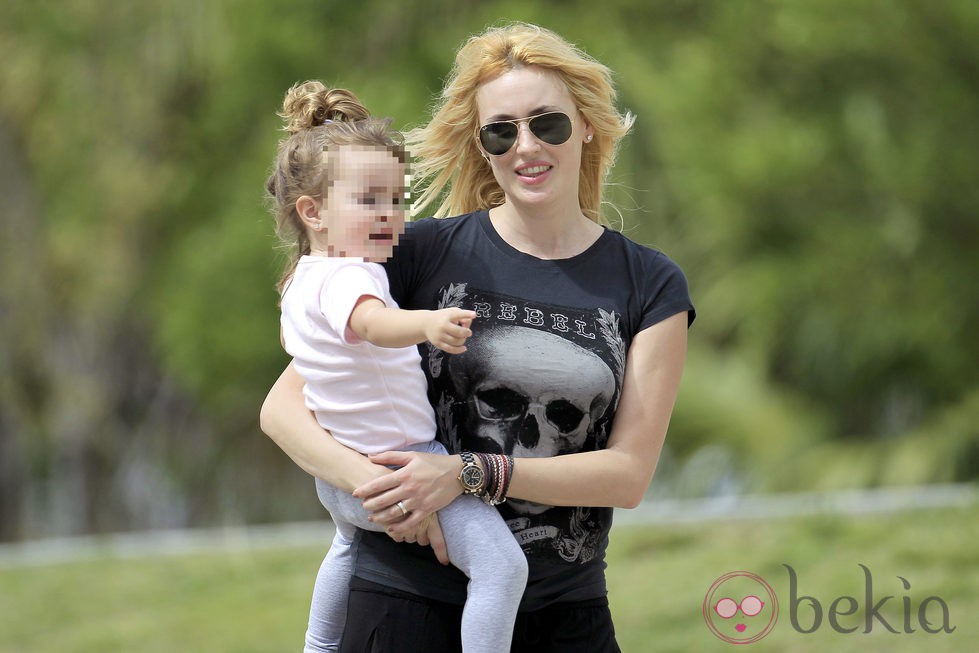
<point x="310" y="104"/>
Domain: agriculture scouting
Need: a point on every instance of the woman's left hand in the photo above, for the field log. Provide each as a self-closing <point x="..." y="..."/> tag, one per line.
<point x="424" y="484"/>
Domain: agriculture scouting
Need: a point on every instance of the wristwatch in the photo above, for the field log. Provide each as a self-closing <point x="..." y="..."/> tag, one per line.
<point x="471" y="477"/>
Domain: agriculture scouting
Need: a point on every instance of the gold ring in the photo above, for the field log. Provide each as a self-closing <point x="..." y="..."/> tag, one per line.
<point x="404" y="511"/>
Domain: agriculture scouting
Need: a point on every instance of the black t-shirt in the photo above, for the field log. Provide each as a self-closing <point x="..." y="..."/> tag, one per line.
<point x="541" y="377"/>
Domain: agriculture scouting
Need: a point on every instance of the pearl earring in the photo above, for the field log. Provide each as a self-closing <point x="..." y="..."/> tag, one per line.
<point x="588" y="138"/>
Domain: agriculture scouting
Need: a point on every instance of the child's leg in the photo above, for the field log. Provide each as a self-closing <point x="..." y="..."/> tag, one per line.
<point x="328" y="607"/>
<point x="481" y="545"/>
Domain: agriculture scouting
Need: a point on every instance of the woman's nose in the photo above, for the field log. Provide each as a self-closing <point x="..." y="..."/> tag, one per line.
<point x="525" y="138"/>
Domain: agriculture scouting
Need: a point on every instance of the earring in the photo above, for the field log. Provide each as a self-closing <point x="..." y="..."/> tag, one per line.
<point x="588" y="138"/>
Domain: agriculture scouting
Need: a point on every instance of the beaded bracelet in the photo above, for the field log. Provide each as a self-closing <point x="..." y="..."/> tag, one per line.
<point x="506" y="479"/>
<point x="498" y="470"/>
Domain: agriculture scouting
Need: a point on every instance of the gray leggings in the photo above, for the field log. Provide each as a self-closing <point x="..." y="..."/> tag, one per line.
<point x="479" y="544"/>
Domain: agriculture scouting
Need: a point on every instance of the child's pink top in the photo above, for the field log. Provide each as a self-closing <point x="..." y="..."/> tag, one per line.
<point x="371" y="398"/>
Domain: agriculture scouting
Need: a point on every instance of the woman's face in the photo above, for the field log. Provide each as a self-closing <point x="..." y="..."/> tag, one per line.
<point x="532" y="173"/>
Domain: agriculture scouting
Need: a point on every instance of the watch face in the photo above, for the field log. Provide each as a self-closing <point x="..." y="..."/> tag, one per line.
<point x="472" y="477"/>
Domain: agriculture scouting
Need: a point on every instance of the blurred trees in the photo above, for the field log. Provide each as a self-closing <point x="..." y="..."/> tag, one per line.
<point x="810" y="164"/>
<point x="818" y="173"/>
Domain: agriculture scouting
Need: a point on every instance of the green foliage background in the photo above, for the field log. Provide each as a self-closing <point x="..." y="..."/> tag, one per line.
<point x="810" y="164"/>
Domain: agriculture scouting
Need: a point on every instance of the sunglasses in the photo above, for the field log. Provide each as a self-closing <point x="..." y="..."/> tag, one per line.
<point x="749" y="606"/>
<point x="498" y="137"/>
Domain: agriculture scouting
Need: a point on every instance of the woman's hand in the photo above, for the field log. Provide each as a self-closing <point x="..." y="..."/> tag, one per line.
<point x="424" y="484"/>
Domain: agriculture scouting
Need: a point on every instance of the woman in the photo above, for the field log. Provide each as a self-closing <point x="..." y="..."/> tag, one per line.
<point x="575" y="325"/>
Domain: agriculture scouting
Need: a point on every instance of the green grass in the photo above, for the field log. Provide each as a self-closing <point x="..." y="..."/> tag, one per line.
<point x="659" y="576"/>
<point x="246" y="601"/>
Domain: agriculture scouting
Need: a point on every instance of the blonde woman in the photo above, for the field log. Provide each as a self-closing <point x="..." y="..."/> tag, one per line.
<point x="559" y="407"/>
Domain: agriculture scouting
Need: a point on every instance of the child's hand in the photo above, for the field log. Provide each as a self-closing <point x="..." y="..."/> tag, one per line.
<point x="428" y="533"/>
<point x="448" y="329"/>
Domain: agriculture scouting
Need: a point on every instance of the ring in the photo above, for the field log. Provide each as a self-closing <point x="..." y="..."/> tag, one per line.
<point x="404" y="511"/>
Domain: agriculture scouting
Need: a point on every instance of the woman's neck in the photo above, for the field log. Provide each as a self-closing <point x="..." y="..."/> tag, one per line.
<point x="545" y="236"/>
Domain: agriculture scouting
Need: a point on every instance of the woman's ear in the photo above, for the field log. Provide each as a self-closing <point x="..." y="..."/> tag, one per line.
<point x="589" y="130"/>
<point x="309" y="212"/>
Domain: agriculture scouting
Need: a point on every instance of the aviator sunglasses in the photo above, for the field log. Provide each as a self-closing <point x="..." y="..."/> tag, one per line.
<point x="553" y="128"/>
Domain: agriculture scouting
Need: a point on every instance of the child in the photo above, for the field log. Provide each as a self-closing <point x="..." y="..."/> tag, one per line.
<point x="339" y="188"/>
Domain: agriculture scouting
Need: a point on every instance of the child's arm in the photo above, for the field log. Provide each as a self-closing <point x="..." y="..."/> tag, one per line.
<point x="384" y="326"/>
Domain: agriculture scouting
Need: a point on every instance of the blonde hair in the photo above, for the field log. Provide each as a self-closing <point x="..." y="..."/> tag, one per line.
<point x="318" y="120"/>
<point x="448" y="163"/>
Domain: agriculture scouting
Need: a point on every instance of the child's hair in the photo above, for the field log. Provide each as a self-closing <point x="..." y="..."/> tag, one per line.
<point x="319" y="120"/>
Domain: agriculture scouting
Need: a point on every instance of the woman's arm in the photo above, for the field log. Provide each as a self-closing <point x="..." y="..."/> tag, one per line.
<point x="617" y="476"/>
<point x="285" y="419"/>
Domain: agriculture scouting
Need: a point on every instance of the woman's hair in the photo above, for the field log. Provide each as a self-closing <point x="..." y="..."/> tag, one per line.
<point x="319" y="120"/>
<point x="449" y="164"/>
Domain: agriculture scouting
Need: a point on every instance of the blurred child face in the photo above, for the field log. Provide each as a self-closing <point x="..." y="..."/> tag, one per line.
<point x="364" y="212"/>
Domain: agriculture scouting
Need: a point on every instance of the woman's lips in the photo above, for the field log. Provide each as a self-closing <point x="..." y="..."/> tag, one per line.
<point x="534" y="172"/>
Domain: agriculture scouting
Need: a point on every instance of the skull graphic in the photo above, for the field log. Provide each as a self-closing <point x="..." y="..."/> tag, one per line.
<point x="530" y="392"/>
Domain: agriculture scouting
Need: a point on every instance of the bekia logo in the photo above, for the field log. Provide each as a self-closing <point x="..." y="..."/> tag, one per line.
<point x="741" y="608"/>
